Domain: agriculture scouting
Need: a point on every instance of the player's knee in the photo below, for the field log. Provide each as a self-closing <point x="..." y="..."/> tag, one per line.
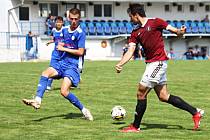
<point x="45" y="74"/>
<point x="141" y="95"/>
<point x="64" y="92"/>
<point x="163" y="97"/>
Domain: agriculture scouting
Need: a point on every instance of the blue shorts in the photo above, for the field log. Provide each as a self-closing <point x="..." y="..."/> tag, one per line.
<point x="69" y="71"/>
<point x="53" y="62"/>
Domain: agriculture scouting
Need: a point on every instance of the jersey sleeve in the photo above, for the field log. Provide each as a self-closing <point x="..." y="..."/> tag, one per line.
<point x="81" y="40"/>
<point x="160" y="23"/>
<point x="132" y="38"/>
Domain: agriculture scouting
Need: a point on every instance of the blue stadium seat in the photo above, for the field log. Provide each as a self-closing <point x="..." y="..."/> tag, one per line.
<point x="202" y="30"/>
<point x="110" y="22"/>
<point x="102" y="21"/>
<point x="87" y="21"/>
<point x="95" y="21"/>
<point x="107" y="28"/>
<point x="194" y="28"/>
<point x="117" y="21"/>
<point x="179" y="24"/>
<point x="84" y="27"/>
<point x="189" y="21"/>
<point x="114" y="28"/>
<point x="125" y="21"/>
<point x="99" y="29"/>
<point x="188" y="30"/>
<point x="182" y="21"/>
<point x="168" y="21"/>
<point x="196" y="22"/>
<point x="172" y="24"/>
<point x="206" y="24"/>
<point x="91" y="28"/>
<point x="122" y="28"/>
<point x="200" y="24"/>
<point x="188" y="26"/>
<point x="208" y="29"/>
<point x="129" y="27"/>
<point x="201" y="27"/>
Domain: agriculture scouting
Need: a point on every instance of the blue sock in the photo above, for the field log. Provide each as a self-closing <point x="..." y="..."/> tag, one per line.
<point x="74" y="100"/>
<point x="41" y="86"/>
<point x="49" y="82"/>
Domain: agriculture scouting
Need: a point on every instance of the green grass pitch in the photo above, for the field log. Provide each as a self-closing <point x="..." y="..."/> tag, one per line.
<point x="100" y="90"/>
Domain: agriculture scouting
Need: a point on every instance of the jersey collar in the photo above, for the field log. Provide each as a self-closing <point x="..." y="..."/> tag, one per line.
<point x="70" y="31"/>
<point x="144" y="22"/>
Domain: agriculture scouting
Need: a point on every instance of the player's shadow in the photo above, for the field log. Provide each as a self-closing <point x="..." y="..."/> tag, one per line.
<point x="160" y="126"/>
<point x="119" y="123"/>
<point x="58" y="88"/>
<point x="64" y="116"/>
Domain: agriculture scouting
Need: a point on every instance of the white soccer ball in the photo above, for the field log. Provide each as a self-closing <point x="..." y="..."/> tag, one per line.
<point x="118" y="113"/>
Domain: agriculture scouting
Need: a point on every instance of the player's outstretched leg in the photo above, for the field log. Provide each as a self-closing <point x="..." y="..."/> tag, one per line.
<point x="140" y="109"/>
<point x="75" y="101"/>
<point x="49" y="84"/>
<point x="36" y="102"/>
<point x="180" y="103"/>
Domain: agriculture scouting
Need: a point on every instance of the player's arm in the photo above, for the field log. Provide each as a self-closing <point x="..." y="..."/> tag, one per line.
<point x="128" y="55"/>
<point x="78" y="52"/>
<point x="179" y="32"/>
<point x="51" y="40"/>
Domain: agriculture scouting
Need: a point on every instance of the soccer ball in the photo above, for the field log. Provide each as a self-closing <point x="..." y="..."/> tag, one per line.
<point x="118" y="113"/>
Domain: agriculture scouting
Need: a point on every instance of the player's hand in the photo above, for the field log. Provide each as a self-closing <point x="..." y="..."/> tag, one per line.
<point x="60" y="47"/>
<point x="47" y="43"/>
<point x="183" y="29"/>
<point x="118" y="68"/>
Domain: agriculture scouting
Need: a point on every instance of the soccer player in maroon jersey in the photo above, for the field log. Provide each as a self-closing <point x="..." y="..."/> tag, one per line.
<point x="149" y="34"/>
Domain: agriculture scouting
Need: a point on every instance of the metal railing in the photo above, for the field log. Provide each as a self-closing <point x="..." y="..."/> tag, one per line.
<point x="10" y="40"/>
<point x="36" y="27"/>
<point x="13" y="41"/>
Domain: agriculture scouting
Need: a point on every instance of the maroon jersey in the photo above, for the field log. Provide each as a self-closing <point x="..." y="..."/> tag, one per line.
<point x="150" y="37"/>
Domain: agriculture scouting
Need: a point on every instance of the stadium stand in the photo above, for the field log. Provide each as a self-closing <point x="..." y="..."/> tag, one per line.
<point x="118" y="27"/>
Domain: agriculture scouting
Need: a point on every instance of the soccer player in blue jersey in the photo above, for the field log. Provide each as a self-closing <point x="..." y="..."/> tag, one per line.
<point x="57" y="36"/>
<point x="73" y="47"/>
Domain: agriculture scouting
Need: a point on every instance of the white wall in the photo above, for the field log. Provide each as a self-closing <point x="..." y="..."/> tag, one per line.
<point x="8" y="4"/>
<point x="157" y="10"/>
<point x="96" y="52"/>
<point x="10" y="55"/>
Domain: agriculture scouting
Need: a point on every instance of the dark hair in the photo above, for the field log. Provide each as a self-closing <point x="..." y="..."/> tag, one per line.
<point x="75" y="11"/>
<point x="59" y="18"/>
<point x="136" y="9"/>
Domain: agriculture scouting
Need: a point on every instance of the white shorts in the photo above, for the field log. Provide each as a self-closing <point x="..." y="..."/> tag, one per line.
<point x="155" y="74"/>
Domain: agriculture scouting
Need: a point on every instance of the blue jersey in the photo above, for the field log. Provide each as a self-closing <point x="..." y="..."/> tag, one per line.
<point x="72" y="40"/>
<point x="57" y="37"/>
